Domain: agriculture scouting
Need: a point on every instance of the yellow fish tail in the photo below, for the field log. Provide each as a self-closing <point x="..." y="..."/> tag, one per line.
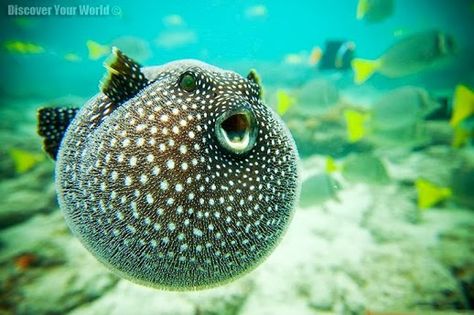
<point x="96" y="50"/>
<point x="34" y="49"/>
<point x="331" y="165"/>
<point x="463" y="105"/>
<point x="284" y="102"/>
<point x="461" y="137"/>
<point x="362" y="7"/>
<point x="430" y="194"/>
<point x="355" y="122"/>
<point x="363" y="69"/>
<point x="24" y="160"/>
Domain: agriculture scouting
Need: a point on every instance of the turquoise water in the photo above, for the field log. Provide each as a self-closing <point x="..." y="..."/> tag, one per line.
<point x="223" y="34"/>
<point x="385" y="218"/>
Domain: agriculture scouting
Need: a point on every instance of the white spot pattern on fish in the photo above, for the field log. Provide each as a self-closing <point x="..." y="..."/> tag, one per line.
<point x="186" y="212"/>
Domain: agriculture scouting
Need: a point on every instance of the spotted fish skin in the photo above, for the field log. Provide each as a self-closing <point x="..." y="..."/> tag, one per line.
<point x="150" y="192"/>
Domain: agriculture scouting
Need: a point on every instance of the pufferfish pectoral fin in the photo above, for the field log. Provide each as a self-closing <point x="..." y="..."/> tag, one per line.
<point x="255" y="78"/>
<point x="124" y="78"/>
<point x="52" y="124"/>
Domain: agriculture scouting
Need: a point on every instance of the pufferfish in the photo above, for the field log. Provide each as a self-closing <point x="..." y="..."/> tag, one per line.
<point x="177" y="176"/>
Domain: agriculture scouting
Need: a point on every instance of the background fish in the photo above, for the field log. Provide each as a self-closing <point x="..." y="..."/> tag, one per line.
<point x="22" y="47"/>
<point x="410" y="55"/>
<point x="364" y="167"/>
<point x="374" y="11"/>
<point x="317" y="189"/>
<point x="314" y="97"/>
<point x="396" y="117"/>
<point x="458" y="189"/>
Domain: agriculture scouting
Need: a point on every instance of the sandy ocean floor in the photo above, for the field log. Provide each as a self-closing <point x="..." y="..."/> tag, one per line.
<point x="369" y="249"/>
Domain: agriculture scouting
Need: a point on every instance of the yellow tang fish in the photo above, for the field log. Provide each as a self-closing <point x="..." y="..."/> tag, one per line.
<point x="410" y="55"/>
<point x="21" y="47"/>
<point x="96" y="50"/>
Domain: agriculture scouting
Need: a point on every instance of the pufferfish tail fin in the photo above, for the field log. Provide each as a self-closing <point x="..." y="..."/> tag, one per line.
<point x="430" y="194"/>
<point x="363" y="69"/>
<point x="52" y="124"/>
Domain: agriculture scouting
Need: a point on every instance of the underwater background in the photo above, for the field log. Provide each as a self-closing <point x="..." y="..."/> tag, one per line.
<point x="385" y="219"/>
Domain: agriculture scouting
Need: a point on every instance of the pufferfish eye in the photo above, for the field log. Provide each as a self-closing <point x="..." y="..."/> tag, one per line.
<point x="187" y="82"/>
<point x="236" y="131"/>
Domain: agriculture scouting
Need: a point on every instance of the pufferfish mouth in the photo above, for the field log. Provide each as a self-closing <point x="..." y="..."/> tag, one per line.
<point x="236" y="130"/>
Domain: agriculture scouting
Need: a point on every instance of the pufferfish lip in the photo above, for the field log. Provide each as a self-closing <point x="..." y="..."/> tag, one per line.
<point x="237" y="130"/>
<point x="174" y="189"/>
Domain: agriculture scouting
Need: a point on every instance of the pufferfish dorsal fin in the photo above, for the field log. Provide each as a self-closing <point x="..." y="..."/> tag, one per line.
<point x="255" y="78"/>
<point x="52" y="124"/>
<point x="124" y="78"/>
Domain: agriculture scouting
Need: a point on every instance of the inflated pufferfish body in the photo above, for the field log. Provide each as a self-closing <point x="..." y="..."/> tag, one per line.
<point x="175" y="177"/>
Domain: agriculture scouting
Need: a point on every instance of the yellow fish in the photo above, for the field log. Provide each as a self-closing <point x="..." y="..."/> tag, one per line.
<point x="24" y="160"/>
<point x="410" y="55"/>
<point x="396" y="117"/>
<point x="356" y="124"/>
<point x="430" y="194"/>
<point x="331" y="165"/>
<point x="21" y="47"/>
<point x="284" y="102"/>
<point x="96" y="50"/>
<point x="374" y="11"/>
<point x="364" y="167"/>
<point x="461" y="137"/>
<point x="463" y="105"/>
